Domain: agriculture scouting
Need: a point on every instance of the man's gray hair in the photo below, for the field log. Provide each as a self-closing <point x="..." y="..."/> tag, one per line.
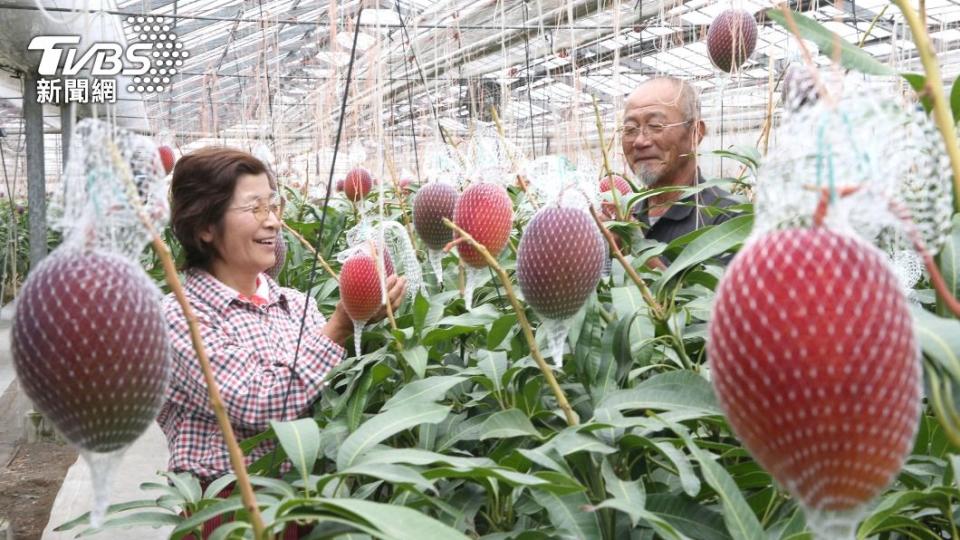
<point x="688" y="100"/>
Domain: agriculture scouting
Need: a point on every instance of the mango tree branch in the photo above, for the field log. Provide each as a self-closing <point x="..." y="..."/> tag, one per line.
<point x="524" y="323"/>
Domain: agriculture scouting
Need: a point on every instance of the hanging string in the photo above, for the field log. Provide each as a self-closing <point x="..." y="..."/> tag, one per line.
<point x="323" y="216"/>
<point x="413" y="125"/>
<point x="416" y="61"/>
<point x="526" y="51"/>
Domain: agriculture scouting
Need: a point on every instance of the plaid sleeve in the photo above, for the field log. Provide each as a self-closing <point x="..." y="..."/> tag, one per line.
<point x="252" y="379"/>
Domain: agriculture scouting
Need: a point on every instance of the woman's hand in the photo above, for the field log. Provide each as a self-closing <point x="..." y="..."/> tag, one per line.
<point x="339" y="327"/>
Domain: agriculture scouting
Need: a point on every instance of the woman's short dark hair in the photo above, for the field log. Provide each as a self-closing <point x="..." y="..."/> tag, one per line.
<point x="201" y="191"/>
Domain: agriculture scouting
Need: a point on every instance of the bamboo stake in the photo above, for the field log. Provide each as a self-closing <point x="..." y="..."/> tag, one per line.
<point x="547" y="371"/>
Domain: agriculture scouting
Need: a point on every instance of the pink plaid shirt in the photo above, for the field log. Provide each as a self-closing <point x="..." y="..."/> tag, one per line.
<point x="251" y="350"/>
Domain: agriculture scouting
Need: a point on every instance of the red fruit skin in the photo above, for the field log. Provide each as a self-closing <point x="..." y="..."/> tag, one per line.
<point x="815" y="362"/>
<point x="484" y="211"/>
<point x="360" y="286"/>
<point x="167" y="158"/>
<point x="608" y="208"/>
<point x="90" y="348"/>
<point x="405" y="184"/>
<point x="434" y="202"/>
<point x="339" y="186"/>
<point x="280" y="254"/>
<point x="731" y="39"/>
<point x="559" y="261"/>
<point x="357" y="184"/>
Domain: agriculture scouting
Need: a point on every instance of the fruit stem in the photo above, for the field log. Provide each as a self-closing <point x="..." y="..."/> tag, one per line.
<point x="216" y="401"/>
<point x="934" y="89"/>
<point x="312" y="250"/>
<point x="401" y="196"/>
<point x="644" y="290"/>
<point x="547" y="371"/>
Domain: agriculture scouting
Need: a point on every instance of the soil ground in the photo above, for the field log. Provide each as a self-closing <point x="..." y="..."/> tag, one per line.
<point x="29" y="484"/>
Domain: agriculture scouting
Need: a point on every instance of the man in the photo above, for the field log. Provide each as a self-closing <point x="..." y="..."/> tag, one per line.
<point x="661" y="131"/>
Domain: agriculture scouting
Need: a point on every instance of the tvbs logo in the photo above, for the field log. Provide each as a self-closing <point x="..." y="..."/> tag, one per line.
<point x="104" y="59"/>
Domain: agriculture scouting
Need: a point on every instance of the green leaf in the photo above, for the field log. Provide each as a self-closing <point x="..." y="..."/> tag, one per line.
<point x="919" y="82"/>
<point x="384" y="425"/>
<point x="186" y="484"/>
<point x="416" y="456"/>
<point x="949" y="259"/>
<point x="153" y="519"/>
<point x="567" y="514"/>
<point x="939" y="339"/>
<point x="689" y="517"/>
<point x="500" y="329"/>
<point x="851" y="56"/>
<point x="741" y="522"/>
<point x="395" y="474"/>
<point x="890" y="505"/>
<point x="197" y="519"/>
<point x="393" y="521"/>
<point x="300" y="439"/>
<point x="416" y="358"/>
<point x="493" y="365"/>
<point x="627" y="300"/>
<point x="506" y="424"/>
<point x="629" y="494"/>
<point x="688" y="480"/>
<point x="570" y="441"/>
<point x="509" y="476"/>
<point x="710" y="243"/>
<point x="223" y="532"/>
<point x="112" y="509"/>
<point x="427" y="390"/>
<point x="671" y="391"/>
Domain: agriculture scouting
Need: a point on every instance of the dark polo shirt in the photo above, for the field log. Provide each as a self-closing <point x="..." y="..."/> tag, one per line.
<point x="686" y="215"/>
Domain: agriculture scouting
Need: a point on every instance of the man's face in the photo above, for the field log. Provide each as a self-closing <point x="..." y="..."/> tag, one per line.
<point x="658" y="141"/>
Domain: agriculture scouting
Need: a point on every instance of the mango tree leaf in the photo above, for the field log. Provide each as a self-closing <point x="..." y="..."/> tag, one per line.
<point x="300" y="439"/>
<point x="417" y="456"/>
<point x="493" y="364"/>
<point x="416" y="358"/>
<point x="500" y="329"/>
<point x="851" y="56"/>
<point x="939" y="339"/>
<point x="153" y="519"/>
<point x="919" y="82"/>
<point x="386" y="424"/>
<point x="688" y="479"/>
<point x="740" y="520"/>
<point x="688" y="516"/>
<point x="427" y="390"/>
<point x="671" y="391"/>
<point x="567" y="514"/>
<point x="112" y="509"/>
<point x="626" y="300"/>
<point x="890" y="505"/>
<point x="506" y="424"/>
<point x="714" y="241"/>
<point x="395" y="474"/>
<point x="393" y="521"/>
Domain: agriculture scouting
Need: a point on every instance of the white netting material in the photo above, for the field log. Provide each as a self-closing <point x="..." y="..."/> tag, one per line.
<point x="555" y="181"/>
<point x="491" y="158"/>
<point x="96" y="210"/>
<point x="817" y="368"/>
<point x="442" y="163"/>
<point x="892" y="155"/>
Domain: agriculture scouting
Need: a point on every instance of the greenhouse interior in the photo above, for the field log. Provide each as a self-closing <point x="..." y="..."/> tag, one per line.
<point x="488" y="270"/>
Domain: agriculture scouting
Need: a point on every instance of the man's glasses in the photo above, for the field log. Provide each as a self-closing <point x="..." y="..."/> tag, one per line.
<point x="631" y="131"/>
<point x="263" y="207"/>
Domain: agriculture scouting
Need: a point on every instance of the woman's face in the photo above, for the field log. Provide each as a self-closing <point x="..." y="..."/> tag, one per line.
<point x="245" y="241"/>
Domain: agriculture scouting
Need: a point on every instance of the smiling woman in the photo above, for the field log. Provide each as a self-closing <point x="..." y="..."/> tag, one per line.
<point x="226" y="213"/>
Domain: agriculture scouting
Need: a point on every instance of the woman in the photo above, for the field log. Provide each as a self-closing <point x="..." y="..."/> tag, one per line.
<point x="226" y="215"/>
